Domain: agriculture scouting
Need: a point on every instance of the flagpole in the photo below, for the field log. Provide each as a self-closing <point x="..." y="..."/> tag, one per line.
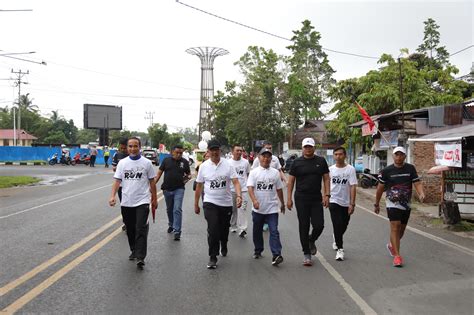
<point x="367" y="118"/>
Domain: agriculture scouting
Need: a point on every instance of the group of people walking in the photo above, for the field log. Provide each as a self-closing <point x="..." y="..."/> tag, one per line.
<point x="227" y="186"/>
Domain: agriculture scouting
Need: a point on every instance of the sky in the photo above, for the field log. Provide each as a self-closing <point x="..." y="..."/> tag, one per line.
<point x="132" y="53"/>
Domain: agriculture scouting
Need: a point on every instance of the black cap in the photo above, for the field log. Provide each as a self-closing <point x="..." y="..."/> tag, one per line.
<point x="265" y="150"/>
<point x="213" y="144"/>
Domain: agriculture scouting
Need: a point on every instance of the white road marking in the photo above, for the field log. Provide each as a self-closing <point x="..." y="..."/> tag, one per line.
<point x="440" y="240"/>
<point x="364" y="307"/>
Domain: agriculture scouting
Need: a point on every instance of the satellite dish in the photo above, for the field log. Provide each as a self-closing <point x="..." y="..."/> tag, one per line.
<point x="202" y="145"/>
<point x="206" y="135"/>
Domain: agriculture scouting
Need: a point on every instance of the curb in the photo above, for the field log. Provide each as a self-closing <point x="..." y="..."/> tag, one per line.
<point x="23" y="163"/>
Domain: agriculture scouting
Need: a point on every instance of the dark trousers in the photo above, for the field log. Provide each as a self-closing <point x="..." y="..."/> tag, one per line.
<point x="218" y="223"/>
<point x="136" y="221"/>
<point x="340" y="220"/>
<point x="93" y="157"/>
<point x="106" y="161"/>
<point x="274" y="239"/>
<point x="310" y="212"/>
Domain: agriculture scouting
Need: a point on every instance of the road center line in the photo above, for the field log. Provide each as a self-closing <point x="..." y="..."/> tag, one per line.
<point x="440" y="240"/>
<point x="364" y="307"/>
<point x="27" y="276"/>
<point x="52" y="202"/>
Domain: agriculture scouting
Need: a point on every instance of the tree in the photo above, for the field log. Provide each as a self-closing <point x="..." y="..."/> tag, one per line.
<point x="158" y="134"/>
<point x="311" y="75"/>
<point x="55" y="137"/>
<point x="438" y="55"/>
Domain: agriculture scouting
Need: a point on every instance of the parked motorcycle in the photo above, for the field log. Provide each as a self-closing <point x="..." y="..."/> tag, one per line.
<point x="78" y="159"/>
<point x="65" y="160"/>
<point x="368" y="180"/>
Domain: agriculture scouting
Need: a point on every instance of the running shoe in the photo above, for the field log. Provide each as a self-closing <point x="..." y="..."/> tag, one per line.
<point x="312" y="248"/>
<point x="242" y="234"/>
<point x="170" y="229"/>
<point x="340" y="254"/>
<point x="276" y="260"/>
<point x="177" y="236"/>
<point x="132" y="256"/>
<point x="140" y="263"/>
<point x="307" y="261"/>
<point x="397" y="261"/>
<point x="265" y="227"/>
<point x="390" y="249"/>
<point x="212" y="264"/>
<point x="257" y="256"/>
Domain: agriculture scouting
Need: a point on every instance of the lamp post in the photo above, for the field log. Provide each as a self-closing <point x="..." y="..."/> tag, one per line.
<point x="402" y="137"/>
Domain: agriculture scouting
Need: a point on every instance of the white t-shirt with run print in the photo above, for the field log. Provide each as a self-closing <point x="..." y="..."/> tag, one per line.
<point x="341" y="179"/>
<point x="265" y="182"/>
<point x="275" y="163"/>
<point x="242" y="168"/>
<point x="216" y="179"/>
<point x="135" y="176"/>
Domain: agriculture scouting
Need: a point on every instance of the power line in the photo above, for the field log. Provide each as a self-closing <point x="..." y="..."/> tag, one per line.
<point x="268" y="33"/>
<point x="460" y="51"/>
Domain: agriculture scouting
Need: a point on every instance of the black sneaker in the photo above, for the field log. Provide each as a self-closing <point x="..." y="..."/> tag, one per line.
<point x="312" y="248"/>
<point x="212" y="264"/>
<point x="132" y="256"/>
<point x="224" y="251"/>
<point x="242" y="234"/>
<point x="140" y="263"/>
<point x="170" y="230"/>
<point x="177" y="237"/>
<point x="257" y="256"/>
<point x="277" y="260"/>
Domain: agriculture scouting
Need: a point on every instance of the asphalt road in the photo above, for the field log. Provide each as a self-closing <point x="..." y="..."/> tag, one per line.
<point x="63" y="252"/>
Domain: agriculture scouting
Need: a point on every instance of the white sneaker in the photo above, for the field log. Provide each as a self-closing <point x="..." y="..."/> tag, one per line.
<point x="334" y="246"/>
<point x="340" y="254"/>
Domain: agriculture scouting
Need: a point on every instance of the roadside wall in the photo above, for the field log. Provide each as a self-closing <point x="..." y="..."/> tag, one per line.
<point x="424" y="159"/>
<point x="16" y="154"/>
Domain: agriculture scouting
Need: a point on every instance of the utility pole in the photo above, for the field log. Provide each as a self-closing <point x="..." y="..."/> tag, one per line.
<point x="19" y="82"/>
<point x="149" y="117"/>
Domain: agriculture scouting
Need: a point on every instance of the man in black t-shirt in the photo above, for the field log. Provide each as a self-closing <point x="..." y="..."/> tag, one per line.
<point x="397" y="181"/>
<point x="177" y="173"/>
<point x="308" y="171"/>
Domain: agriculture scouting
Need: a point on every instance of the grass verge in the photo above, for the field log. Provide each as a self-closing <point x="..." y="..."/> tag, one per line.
<point x="11" y="181"/>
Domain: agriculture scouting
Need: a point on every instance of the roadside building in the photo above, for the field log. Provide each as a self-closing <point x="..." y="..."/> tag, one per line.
<point x="23" y="139"/>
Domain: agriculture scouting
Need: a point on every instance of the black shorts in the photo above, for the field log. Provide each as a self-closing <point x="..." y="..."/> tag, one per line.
<point x="395" y="214"/>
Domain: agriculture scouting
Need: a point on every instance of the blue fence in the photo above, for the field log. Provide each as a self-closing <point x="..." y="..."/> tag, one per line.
<point x="15" y="154"/>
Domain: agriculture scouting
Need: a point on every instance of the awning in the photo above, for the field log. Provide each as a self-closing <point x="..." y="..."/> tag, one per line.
<point x="453" y="134"/>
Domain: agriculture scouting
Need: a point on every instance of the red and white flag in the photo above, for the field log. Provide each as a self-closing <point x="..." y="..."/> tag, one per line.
<point x="366" y="116"/>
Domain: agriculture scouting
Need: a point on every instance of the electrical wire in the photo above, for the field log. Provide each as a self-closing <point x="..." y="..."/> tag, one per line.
<point x="270" y="34"/>
<point x="460" y="51"/>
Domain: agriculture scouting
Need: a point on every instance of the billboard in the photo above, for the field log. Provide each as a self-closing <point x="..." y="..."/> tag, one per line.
<point x="102" y="117"/>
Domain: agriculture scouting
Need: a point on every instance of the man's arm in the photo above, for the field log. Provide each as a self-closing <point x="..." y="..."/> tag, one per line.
<point x="238" y="191"/>
<point x="154" y="200"/>
<point x="197" y="195"/>
<point x="115" y="187"/>
<point x="253" y="198"/>
<point x="378" y="195"/>
<point x="327" y="190"/>
<point x="419" y="190"/>
<point x="282" y="200"/>
<point x="289" y="190"/>
<point x="353" y="192"/>
<point x="282" y="175"/>
<point x="158" y="176"/>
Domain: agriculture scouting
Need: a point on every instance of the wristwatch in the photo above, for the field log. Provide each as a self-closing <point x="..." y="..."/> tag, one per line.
<point x="328" y="196"/>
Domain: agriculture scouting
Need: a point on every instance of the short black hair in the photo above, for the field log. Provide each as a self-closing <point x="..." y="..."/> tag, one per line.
<point x="266" y="142"/>
<point x="135" y="138"/>
<point x="177" y="146"/>
<point x="340" y="149"/>
<point x="236" y="145"/>
<point x="123" y="141"/>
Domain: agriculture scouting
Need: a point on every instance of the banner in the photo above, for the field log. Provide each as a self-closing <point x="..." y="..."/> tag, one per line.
<point x="367" y="131"/>
<point x="448" y="154"/>
<point x="391" y="136"/>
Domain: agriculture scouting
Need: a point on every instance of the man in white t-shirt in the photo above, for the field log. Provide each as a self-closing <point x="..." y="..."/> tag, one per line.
<point x="215" y="176"/>
<point x="342" y="201"/>
<point x="238" y="221"/>
<point x="136" y="174"/>
<point x="265" y="190"/>
<point x="275" y="162"/>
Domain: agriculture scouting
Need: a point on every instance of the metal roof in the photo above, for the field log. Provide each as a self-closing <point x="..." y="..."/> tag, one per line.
<point x="448" y="135"/>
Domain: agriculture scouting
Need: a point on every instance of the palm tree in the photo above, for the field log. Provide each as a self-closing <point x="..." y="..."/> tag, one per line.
<point x="27" y="104"/>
